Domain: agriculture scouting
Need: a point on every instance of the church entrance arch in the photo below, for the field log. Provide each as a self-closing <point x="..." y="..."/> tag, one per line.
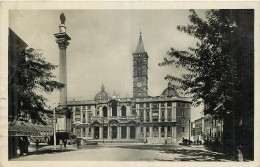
<point x="132" y="132"/>
<point x="114" y="132"/>
<point x="123" y="132"/>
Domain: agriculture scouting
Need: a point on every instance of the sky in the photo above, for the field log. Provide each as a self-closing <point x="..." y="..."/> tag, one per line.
<point x="101" y="47"/>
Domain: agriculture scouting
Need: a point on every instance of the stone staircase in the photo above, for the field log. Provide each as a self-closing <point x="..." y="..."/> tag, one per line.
<point x="116" y="141"/>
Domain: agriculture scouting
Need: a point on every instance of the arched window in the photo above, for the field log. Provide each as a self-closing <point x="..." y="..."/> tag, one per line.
<point x="104" y="111"/>
<point x="123" y="110"/>
<point x="114" y="108"/>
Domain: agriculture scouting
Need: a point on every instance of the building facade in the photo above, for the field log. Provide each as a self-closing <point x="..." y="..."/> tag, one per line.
<point x="142" y="117"/>
<point x="199" y="129"/>
<point x="213" y="128"/>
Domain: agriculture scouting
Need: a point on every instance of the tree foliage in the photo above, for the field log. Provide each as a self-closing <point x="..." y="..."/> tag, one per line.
<point x="214" y="67"/>
<point x="221" y="72"/>
<point x="34" y="75"/>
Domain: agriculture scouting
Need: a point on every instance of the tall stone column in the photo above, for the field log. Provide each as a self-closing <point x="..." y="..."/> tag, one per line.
<point x="166" y="132"/>
<point x="101" y="132"/>
<point x="128" y="132"/>
<point x="81" y="132"/>
<point x="160" y="132"/>
<point x="144" y="130"/>
<point x="92" y="132"/>
<point x="174" y="133"/>
<point x="166" y="115"/>
<point x="108" y="132"/>
<point x="62" y="40"/>
<point x="118" y="132"/>
<point x="145" y="115"/>
<point x="151" y="115"/>
<point x="174" y="112"/>
<point x="136" y="132"/>
<point x="151" y="131"/>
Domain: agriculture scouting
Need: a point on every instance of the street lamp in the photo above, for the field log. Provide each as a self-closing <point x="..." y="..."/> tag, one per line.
<point x="54" y="135"/>
<point x="189" y="131"/>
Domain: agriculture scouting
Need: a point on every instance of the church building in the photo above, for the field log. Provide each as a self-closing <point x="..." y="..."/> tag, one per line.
<point x="138" y="118"/>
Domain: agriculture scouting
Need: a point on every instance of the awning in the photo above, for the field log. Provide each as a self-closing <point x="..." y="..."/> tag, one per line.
<point x="22" y="129"/>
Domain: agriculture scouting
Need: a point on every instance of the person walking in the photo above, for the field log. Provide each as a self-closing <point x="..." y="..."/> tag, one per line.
<point x="37" y="144"/>
<point x="78" y="143"/>
<point x="65" y="143"/>
<point x="26" y="144"/>
<point x="21" y="145"/>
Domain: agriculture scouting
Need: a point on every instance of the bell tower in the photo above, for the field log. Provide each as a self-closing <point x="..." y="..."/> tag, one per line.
<point x="140" y="70"/>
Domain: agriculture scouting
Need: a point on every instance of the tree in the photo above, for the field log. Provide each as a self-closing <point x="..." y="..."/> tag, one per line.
<point x="34" y="75"/>
<point x="220" y="71"/>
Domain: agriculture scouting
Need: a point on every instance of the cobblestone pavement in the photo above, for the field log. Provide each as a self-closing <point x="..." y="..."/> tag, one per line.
<point x="124" y="152"/>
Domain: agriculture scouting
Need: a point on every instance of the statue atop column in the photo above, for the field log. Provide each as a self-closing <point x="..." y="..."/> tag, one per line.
<point x="62" y="18"/>
<point x="62" y="25"/>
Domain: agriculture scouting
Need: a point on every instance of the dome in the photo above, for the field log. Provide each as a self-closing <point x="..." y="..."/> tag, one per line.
<point x="102" y="95"/>
<point x="170" y="91"/>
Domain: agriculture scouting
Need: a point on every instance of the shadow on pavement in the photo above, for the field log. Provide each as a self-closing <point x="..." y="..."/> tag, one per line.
<point x="189" y="154"/>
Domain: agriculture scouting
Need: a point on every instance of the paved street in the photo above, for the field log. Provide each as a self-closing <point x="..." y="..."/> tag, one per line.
<point x="124" y="152"/>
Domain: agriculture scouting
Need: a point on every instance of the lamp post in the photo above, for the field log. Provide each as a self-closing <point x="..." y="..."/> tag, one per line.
<point x="54" y="135"/>
<point x="189" y="131"/>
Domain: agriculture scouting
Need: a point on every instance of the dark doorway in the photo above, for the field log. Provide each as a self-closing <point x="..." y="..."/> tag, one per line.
<point x="105" y="132"/>
<point x="123" y="132"/>
<point x="123" y="109"/>
<point x="114" y="132"/>
<point x="96" y="132"/>
<point x="132" y="132"/>
<point x="105" y="111"/>
<point x="114" y="108"/>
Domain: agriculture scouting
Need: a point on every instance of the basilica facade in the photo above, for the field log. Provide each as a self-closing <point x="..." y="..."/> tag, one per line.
<point x="159" y="119"/>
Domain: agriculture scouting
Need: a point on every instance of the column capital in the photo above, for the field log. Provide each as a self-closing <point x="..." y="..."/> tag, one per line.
<point x="62" y="43"/>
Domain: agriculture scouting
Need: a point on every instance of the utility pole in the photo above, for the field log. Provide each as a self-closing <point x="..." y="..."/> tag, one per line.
<point x="54" y="128"/>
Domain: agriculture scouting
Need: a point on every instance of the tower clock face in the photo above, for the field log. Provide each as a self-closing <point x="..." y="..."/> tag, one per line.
<point x="139" y="84"/>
